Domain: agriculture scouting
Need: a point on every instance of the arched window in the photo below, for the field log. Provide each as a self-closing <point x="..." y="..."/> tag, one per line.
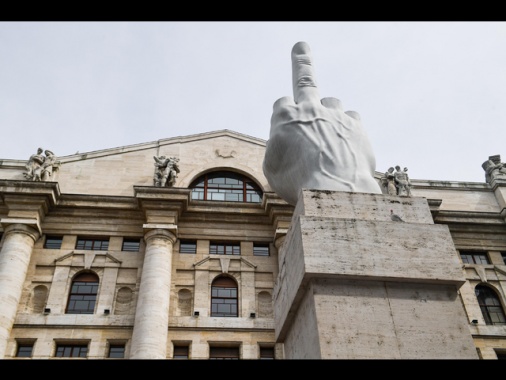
<point x="490" y="305"/>
<point x="83" y="294"/>
<point x="226" y="186"/>
<point x="224" y="300"/>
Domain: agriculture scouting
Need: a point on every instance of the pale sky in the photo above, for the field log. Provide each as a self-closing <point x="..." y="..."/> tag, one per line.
<point x="431" y="95"/>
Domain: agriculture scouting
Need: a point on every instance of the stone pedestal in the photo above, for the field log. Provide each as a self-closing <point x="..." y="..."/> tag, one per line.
<point x="353" y="284"/>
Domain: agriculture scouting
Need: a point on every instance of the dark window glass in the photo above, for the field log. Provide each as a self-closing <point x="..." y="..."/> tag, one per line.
<point x="226" y="186"/>
<point x="474" y="257"/>
<point x="71" y="351"/>
<point x="116" y="351"/>
<point x="267" y="353"/>
<point x="224" y="249"/>
<point x="92" y="244"/>
<point x="188" y="246"/>
<point x="490" y="305"/>
<point x="501" y="355"/>
<point x="224" y="302"/>
<point x="261" y="249"/>
<point x="503" y="254"/>
<point x="224" y="353"/>
<point x="24" y="350"/>
<point x="83" y="294"/>
<point x="181" y="352"/>
<point x="131" y="245"/>
<point x="53" y="242"/>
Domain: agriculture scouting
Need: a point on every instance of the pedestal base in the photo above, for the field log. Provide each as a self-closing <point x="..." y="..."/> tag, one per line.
<point x="353" y="284"/>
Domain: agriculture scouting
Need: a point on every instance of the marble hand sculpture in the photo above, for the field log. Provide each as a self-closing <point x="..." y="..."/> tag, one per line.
<point x="313" y="143"/>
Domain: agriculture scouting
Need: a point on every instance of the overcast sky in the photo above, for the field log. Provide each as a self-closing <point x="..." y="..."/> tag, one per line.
<point x="431" y="95"/>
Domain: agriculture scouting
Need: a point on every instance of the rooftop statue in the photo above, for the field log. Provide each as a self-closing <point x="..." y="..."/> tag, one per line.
<point x="494" y="168"/>
<point x="40" y="167"/>
<point x="313" y="143"/>
<point x="166" y="170"/>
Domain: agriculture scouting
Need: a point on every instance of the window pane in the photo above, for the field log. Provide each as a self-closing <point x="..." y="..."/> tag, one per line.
<point x="70" y="351"/>
<point x="92" y="244"/>
<point x="226" y="186"/>
<point x="116" y="351"/>
<point x="224" y="353"/>
<point x="53" y="242"/>
<point x="24" y="350"/>
<point x="186" y="246"/>
<point x="131" y="245"/>
<point x="261" y="250"/>
<point x="181" y="352"/>
<point x="267" y="353"/>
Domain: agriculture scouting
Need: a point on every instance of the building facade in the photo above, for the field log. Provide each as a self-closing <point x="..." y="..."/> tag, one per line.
<point x="170" y="250"/>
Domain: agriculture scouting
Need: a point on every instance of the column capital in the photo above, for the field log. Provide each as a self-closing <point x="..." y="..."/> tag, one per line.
<point x="168" y="231"/>
<point x="27" y="226"/>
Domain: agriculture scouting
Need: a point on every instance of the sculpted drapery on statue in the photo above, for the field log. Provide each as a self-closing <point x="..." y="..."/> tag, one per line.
<point x="313" y="143"/>
<point x="397" y="182"/>
<point x="494" y="168"/>
<point x="40" y="167"/>
<point x="166" y="170"/>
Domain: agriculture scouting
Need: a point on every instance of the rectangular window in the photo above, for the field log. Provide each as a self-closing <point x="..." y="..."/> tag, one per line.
<point x="224" y="353"/>
<point x="225" y="249"/>
<point x="92" y="244"/>
<point x="188" y="246"/>
<point x="503" y="254"/>
<point x="24" y="350"/>
<point x="116" y="351"/>
<point x="181" y="352"/>
<point x="53" y="242"/>
<point x="470" y="257"/>
<point x="261" y="249"/>
<point x="131" y="245"/>
<point x="71" y="350"/>
<point x="267" y="353"/>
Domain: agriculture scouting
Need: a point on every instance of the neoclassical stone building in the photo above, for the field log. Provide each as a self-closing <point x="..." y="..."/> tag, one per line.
<point x="114" y="254"/>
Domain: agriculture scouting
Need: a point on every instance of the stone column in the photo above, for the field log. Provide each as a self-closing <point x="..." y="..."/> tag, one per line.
<point x="149" y="338"/>
<point x="14" y="260"/>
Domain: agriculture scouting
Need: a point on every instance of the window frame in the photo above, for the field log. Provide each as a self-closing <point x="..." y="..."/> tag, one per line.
<point x="267" y="353"/>
<point x="234" y="248"/>
<point x="224" y="295"/>
<point x="187" y="246"/>
<point x="208" y="184"/>
<point x="53" y="242"/>
<point x="224" y="352"/>
<point x="21" y="347"/>
<point x="81" y="281"/>
<point x="181" y="352"/>
<point x="490" y="305"/>
<point x="92" y="244"/>
<point x="130" y="241"/>
<point x="116" y="346"/>
<point x="260" y="248"/>
<point x="64" y="348"/>
<point x="474" y="257"/>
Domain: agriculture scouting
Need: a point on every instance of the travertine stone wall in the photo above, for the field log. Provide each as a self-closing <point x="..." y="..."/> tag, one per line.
<point x="390" y="283"/>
